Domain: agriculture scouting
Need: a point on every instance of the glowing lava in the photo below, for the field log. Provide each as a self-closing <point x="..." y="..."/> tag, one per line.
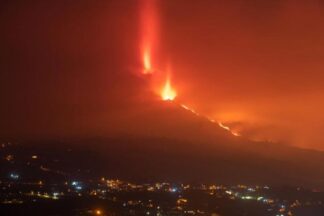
<point x="220" y="124"/>
<point x="228" y="129"/>
<point x="190" y="109"/>
<point x="147" y="62"/>
<point x="168" y="93"/>
<point x="149" y="30"/>
<point x="149" y="26"/>
<point x="224" y="126"/>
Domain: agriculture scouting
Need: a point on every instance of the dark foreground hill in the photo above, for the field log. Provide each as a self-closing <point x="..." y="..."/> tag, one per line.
<point x="159" y="159"/>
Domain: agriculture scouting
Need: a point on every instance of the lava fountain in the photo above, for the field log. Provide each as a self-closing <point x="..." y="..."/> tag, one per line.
<point x="149" y="33"/>
<point x="147" y="62"/>
<point x="168" y="93"/>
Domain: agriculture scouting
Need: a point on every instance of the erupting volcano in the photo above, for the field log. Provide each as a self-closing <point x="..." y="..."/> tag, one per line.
<point x="162" y="90"/>
<point x="168" y="93"/>
<point x="149" y="32"/>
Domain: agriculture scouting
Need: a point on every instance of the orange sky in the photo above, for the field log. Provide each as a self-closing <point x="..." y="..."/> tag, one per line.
<point x="255" y="65"/>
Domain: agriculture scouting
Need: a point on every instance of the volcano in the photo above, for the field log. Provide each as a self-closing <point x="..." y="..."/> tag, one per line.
<point x="179" y="145"/>
<point x="162" y="141"/>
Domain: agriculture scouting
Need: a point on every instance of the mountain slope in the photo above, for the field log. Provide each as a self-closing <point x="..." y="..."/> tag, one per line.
<point x="162" y="141"/>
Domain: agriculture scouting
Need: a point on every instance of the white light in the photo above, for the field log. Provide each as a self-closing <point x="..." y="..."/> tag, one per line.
<point x="14" y="176"/>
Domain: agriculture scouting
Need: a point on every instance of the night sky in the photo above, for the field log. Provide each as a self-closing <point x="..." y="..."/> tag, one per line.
<point x="74" y="68"/>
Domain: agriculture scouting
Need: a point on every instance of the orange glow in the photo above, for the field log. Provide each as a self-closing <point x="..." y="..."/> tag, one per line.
<point x="228" y="129"/>
<point x="235" y="133"/>
<point x="189" y="109"/>
<point x="168" y="93"/>
<point x="220" y="124"/>
<point x="185" y="107"/>
<point x="147" y="62"/>
<point x="149" y="28"/>
<point x="224" y="126"/>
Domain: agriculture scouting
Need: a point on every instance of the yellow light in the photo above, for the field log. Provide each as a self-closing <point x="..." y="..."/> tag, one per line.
<point x="9" y="157"/>
<point x="182" y="201"/>
<point x="98" y="212"/>
<point x="168" y="93"/>
<point x="224" y="126"/>
<point x="235" y="133"/>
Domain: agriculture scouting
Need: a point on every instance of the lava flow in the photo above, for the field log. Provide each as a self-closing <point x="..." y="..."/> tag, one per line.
<point x="169" y="94"/>
<point x="220" y="124"/>
<point x="228" y="129"/>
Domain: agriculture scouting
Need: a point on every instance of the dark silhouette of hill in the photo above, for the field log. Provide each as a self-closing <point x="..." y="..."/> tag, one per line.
<point x="166" y="142"/>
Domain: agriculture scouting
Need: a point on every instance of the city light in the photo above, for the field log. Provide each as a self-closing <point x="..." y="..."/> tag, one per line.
<point x="14" y="176"/>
